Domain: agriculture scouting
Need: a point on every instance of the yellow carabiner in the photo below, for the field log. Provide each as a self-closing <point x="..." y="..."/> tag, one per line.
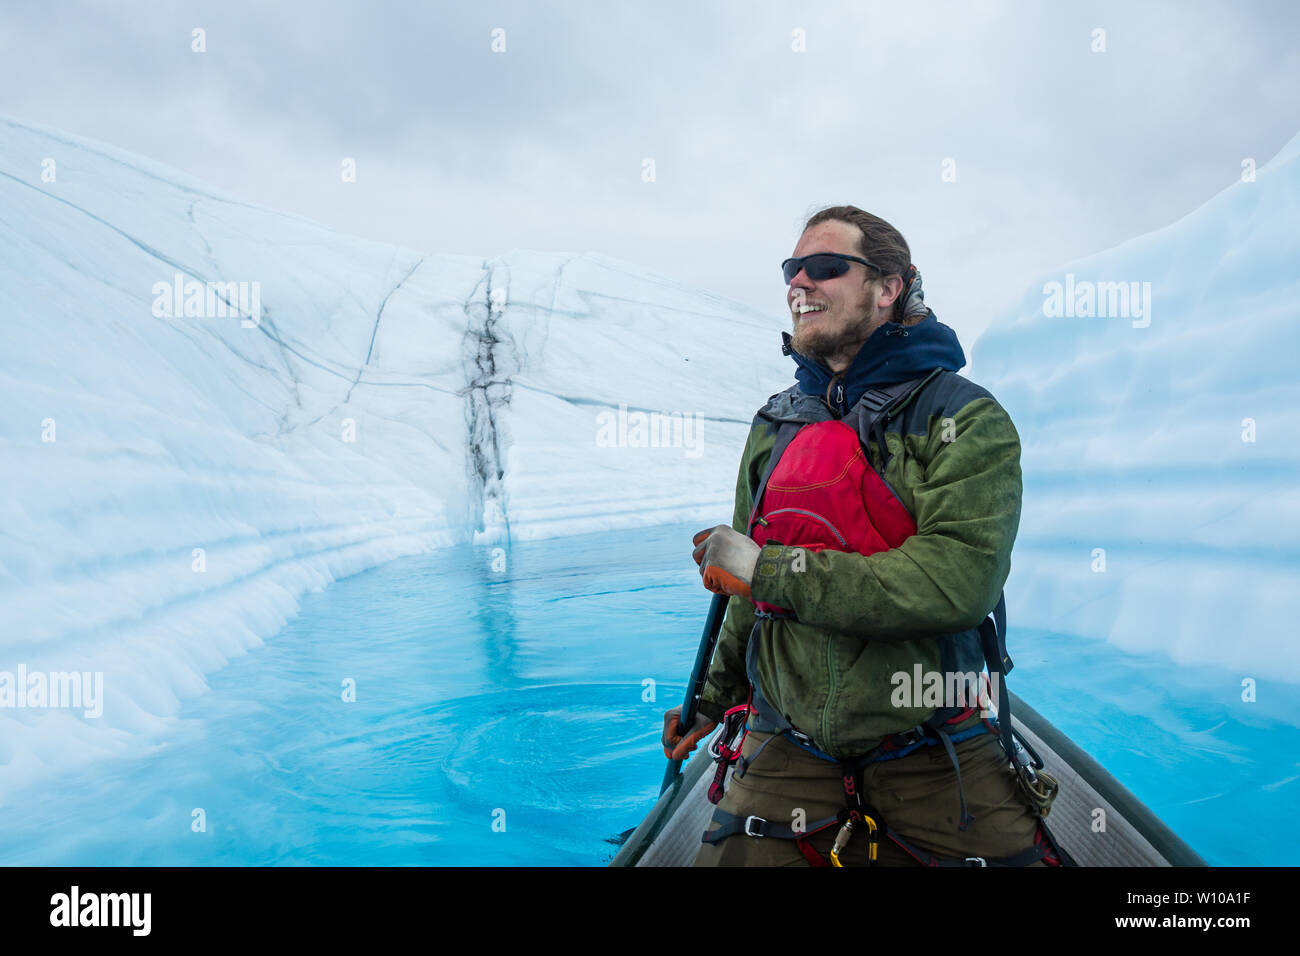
<point x="842" y="840"/>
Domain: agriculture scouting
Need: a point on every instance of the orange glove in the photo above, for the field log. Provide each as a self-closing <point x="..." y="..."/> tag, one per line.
<point x="678" y="746"/>
<point x="726" y="559"/>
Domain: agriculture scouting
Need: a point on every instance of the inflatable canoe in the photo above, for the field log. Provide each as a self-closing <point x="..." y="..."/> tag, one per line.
<point x="1134" y="836"/>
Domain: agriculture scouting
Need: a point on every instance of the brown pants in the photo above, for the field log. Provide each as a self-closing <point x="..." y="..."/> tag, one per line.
<point x="916" y="795"/>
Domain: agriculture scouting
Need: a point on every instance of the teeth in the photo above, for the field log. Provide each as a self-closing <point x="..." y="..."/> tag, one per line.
<point x="810" y="308"/>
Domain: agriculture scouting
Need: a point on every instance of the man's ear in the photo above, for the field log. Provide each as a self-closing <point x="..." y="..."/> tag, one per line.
<point x="893" y="288"/>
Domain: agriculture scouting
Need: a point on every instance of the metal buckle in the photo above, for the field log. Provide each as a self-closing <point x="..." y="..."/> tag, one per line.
<point x="730" y="732"/>
<point x="751" y="819"/>
<point x="715" y="742"/>
<point x="976" y="861"/>
<point x="908" y="737"/>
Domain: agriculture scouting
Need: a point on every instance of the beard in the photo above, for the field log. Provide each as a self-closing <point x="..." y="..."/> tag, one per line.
<point x="823" y="341"/>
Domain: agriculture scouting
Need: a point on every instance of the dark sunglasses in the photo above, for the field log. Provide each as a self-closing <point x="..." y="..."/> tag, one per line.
<point x="821" y="265"/>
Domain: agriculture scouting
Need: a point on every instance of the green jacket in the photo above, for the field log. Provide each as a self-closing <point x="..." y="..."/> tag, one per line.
<point x="954" y="462"/>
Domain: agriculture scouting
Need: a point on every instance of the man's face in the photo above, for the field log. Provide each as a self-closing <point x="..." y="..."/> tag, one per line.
<point x="848" y="312"/>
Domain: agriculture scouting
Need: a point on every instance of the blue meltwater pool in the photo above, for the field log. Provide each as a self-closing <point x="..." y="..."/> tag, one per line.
<point x="512" y="717"/>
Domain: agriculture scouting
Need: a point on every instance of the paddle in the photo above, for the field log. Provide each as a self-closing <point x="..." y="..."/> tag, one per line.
<point x="712" y="626"/>
<point x="709" y="640"/>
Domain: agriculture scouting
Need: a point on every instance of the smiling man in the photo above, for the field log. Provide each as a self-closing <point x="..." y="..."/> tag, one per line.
<point x="876" y="507"/>
<point x="832" y="324"/>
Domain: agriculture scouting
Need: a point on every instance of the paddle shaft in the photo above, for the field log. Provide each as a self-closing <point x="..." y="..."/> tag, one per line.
<point x="690" y="706"/>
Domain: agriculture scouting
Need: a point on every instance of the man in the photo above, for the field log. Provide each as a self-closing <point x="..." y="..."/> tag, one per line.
<point x="830" y="739"/>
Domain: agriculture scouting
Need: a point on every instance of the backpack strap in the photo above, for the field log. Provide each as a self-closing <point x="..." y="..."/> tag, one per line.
<point x="1039" y="788"/>
<point x="881" y="398"/>
<point x="993" y="639"/>
<point x="878" y="406"/>
<point x="784" y="435"/>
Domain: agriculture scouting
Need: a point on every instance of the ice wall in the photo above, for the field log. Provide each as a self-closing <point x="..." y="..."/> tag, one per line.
<point x="1161" y="498"/>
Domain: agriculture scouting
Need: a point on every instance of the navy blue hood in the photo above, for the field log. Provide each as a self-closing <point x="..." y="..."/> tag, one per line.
<point x="894" y="353"/>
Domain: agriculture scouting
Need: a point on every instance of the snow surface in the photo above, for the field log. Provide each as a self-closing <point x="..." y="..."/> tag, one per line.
<point x="482" y="395"/>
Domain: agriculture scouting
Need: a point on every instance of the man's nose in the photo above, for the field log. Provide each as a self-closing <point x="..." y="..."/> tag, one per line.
<point x="801" y="290"/>
<point x="801" y="281"/>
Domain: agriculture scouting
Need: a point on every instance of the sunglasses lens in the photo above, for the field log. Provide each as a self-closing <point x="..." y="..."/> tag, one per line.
<point x="818" y="267"/>
<point x="825" y="267"/>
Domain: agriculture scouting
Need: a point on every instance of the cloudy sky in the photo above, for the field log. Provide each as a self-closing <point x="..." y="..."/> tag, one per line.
<point x="1064" y="140"/>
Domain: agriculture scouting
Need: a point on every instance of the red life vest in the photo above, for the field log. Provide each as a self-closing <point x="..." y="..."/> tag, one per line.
<point x="824" y="494"/>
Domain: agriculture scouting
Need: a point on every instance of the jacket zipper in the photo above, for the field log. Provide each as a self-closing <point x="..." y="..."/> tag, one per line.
<point x="830" y="694"/>
<point x="811" y="514"/>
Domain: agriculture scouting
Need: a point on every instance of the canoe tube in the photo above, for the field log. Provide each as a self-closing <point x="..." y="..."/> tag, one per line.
<point x="1133" y="835"/>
